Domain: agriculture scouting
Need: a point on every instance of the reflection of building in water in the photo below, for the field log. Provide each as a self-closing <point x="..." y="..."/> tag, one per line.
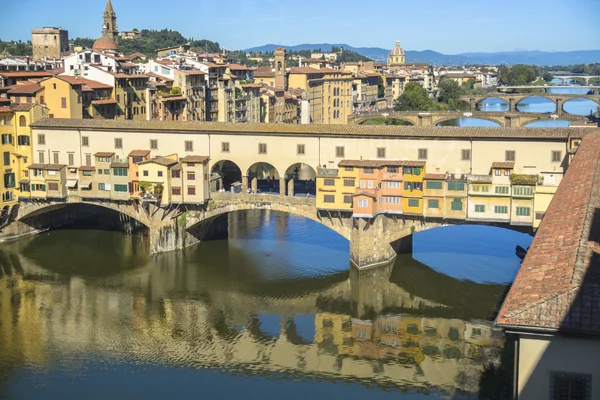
<point x="132" y="316"/>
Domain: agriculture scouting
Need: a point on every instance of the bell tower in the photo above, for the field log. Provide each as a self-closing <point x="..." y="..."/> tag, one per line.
<point x="280" y="65"/>
<point x="109" y="27"/>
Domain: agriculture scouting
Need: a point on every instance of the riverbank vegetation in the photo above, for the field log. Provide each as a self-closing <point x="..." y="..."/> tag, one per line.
<point x="416" y="98"/>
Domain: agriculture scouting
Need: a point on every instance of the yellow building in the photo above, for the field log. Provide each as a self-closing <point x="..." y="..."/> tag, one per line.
<point x="47" y="181"/>
<point x="412" y="200"/>
<point x="335" y="188"/>
<point x="16" y="147"/>
<point x="63" y="97"/>
<point x="155" y="178"/>
<point x="434" y="195"/>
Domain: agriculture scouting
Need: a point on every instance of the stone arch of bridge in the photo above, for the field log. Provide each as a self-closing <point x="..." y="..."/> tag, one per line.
<point x="274" y="203"/>
<point x="263" y="177"/>
<point x="408" y="120"/>
<point x="228" y="171"/>
<point x="546" y="99"/>
<point x="443" y="118"/>
<point x="30" y="211"/>
<point x="479" y="100"/>
<point x="575" y="97"/>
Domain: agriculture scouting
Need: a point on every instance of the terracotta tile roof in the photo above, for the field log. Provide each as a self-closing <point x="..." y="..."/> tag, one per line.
<point x="381" y="163"/>
<point x="21" y="106"/>
<point x="264" y="74"/>
<point x="558" y="284"/>
<point x="25" y="89"/>
<point x="304" y="70"/>
<point x="194" y="159"/>
<point x="172" y="98"/>
<point x="364" y="193"/>
<point x="73" y="80"/>
<point x="104" y="154"/>
<point x="177" y="167"/>
<point x="163" y="78"/>
<point x="87" y="168"/>
<point x="164" y="161"/>
<point x="252" y="85"/>
<point x="139" y="153"/>
<point x="116" y="164"/>
<point x="503" y="164"/>
<point x="47" y="167"/>
<point x="238" y="67"/>
<point x="435" y="176"/>
<point x="319" y="129"/>
<point x="193" y="72"/>
<point x="25" y="74"/>
<point x="105" y="101"/>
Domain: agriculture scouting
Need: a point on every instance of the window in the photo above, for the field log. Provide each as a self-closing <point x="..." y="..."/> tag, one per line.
<point x="7" y="158"/>
<point x="118" y="143"/>
<point x="500" y="209"/>
<point x="262" y="148"/>
<point x="570" y="386"/>
<point x="422" y="154"/>
<point x="523" y="211"/>
<point x="63" y="102"/>
<point x="363" y="203"/>
<point x="502" y="189"/>
<point x="41" y="139"/>
<point x="107" y="172"/>
<point x="348" y="169"/>
<point x="300" y="149"/>
<point x="329" y="198"/>
<point x="160" y="174"/>
<point x="329" y="182"/>
<point x="556" y="156"/>
<point x="434" y="185"/>
<point x="522" y="191"/>
<point x="23" y="140"/>
<point x="465" y="154"/>
<point x="88" y="159"/>
<point x="479" y="208"/>
<point x="55" y="157"/>
<point x="381" y="152"/>
<point x="189" y="145"/>
<point x="87" y="173"/>
<point x="456" y="186"/>
<point x="120" y="172"/>
<point x="145" y="172"/>
<point x="41" y="157"/>
<point x="497" y="172"/>
<point x="347" y="199"/>
<point x="413" y="202"/>
<point x="22" y="121"/>
<point x="176" y="191"/>
<point x="85" y="141"/>
<point x="121" y="188"/>
<point x="370" y="184"/>
<point x="539" y="215"/>
<point x="392" y="184"/>
<point x="71" y="158"/>
<point x="392" y="170"/>
<point x="176" y="173"/>
<point x="153" y="144"/>
<point x="339" y="151"/>
<point x="392" y="200"/>
<point x="456" y="205"/>
<point x="191" y="176"/>
<point x="7" y="138"/>
<point x="191" y="190"/>
<point x="433" y="203"/>
<point x="52" y="186"/>
<point x="348" y="182"/>
<point x="506" y="172"/>
<point x="510" y="155"/>
<point x="368" y="170"/>
<point x="100" y="172"/>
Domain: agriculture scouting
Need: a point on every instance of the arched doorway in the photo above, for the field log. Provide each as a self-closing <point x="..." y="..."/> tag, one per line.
<point x="263" y="178"/>
<point x="301" y="180"/>
<point x="224" y="174"/>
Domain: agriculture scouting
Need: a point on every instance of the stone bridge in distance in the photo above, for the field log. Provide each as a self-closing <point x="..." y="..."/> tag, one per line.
<point x="504" y="119"/>
<point x="373" y="241"/>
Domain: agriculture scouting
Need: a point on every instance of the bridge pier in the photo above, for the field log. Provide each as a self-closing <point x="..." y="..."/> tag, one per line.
<point x="244" y="184"/>
<point x="282" y="186"/>
<point x="559" y="106"/>
<point x="472" y="104"/>
<point x="512" y="105"/>
<point x="290" y="187"/>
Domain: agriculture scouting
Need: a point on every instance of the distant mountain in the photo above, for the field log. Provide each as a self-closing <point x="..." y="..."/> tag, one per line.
<point x="534" y="57"/>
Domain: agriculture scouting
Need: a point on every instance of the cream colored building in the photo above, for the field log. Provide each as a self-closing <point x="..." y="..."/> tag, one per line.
<point x="49" y="42"/>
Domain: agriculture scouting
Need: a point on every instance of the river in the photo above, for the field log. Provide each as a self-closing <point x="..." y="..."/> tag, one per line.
<point x="534" y="104"/>
<point x="271" y="311"/>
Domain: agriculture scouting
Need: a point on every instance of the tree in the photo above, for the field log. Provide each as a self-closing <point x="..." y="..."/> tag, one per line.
<point x="380" y="87"/>
<point x="547" y="76"/>
<point x="414" y="98"/>
<point x="176" y="90"/>
<point x="449" y="90"/>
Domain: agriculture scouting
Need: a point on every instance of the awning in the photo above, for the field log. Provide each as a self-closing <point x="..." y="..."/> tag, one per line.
<point x="71" y="183"/>
<point x="85" y="184"/>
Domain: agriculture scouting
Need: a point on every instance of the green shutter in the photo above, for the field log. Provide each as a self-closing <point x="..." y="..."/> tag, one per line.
<point x="413" y="203"/>
<point x="456" y="205"/>
<point x="434" y="185"/>
<point x="433" y="203"/>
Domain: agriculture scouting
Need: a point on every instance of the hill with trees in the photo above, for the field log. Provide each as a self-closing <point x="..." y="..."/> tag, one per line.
<point x="16" y="48"/>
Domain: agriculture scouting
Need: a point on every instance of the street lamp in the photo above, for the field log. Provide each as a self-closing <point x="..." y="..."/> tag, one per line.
<point x="468" y="114"/>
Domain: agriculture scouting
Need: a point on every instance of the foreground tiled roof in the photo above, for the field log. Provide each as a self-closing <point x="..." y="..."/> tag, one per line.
<point x="435" y="176"/>
<point x="104" y="154"/>
<point x="139" y="153"/>
<point x="558" y="285"/>
<point x="47" y="167"/>
<point x="116" y="164"/>
<point x="164" y="161"/>
<point x="381" y="163"/>
<point x="317" y="129"/>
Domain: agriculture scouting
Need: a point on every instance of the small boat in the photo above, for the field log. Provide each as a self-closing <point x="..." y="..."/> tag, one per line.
<point x="521" y="252"/>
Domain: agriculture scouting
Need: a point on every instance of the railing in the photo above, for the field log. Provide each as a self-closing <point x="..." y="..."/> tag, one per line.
<point x="327" y="171"/>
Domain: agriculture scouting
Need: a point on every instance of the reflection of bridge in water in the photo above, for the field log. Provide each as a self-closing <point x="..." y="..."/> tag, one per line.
<point x="173" y="312"/>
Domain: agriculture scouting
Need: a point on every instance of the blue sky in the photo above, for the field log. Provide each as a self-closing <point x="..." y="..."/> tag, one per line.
<point x="447" y="26"/>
